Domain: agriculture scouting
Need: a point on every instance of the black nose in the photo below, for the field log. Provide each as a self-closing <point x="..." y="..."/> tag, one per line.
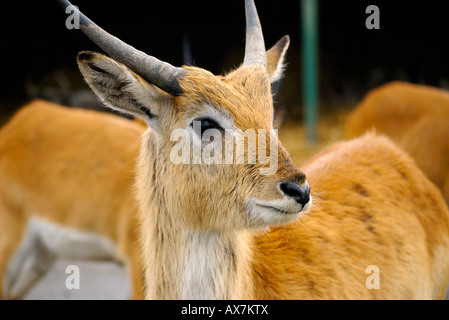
<point x="293" y="190"/>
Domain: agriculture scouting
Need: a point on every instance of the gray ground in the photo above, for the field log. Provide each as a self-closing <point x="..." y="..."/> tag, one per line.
<point x="98" y="280"/>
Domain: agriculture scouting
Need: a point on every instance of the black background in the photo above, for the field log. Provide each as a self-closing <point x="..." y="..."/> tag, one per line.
<point x="412" y="43"/>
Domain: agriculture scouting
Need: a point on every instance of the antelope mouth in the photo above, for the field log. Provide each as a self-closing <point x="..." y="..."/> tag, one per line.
<point x="277" y="209"/>
<point x="275" y="212"/>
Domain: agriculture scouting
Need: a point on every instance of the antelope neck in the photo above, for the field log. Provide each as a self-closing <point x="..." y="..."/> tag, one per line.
<point x="201" y="265"/>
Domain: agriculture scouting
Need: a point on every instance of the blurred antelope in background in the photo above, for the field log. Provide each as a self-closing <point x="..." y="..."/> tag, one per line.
<point x="215" y="231"/>
<point x="66" y="179"/>
<point x="416" y="117"/>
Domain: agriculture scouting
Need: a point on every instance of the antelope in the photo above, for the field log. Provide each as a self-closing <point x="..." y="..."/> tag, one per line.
<point x="66" y="179"/>
<point x="416" y="117"/>
<point x="226" y="231"/>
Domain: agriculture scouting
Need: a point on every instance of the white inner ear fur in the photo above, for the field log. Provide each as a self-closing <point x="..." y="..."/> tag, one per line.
<point x="278" y="72"/>
<point x="121" y="89"/>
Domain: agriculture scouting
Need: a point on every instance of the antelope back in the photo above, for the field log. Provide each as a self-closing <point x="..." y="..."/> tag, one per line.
<point x="415" y="117"/>
<point x="74" y="170"/>
<point x="373" y="208"/>
<point x="394" y="108"/>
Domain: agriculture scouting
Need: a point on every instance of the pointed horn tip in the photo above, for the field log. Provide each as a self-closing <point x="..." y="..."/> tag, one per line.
<point x="84" y="21"/>
<point x="250" y="2"/>
<point x="64" y="4"/>
<point x="255" y="45"/>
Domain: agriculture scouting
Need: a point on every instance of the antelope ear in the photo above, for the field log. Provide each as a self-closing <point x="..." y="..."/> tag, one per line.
<point x="121" y="89"/>
<point x="275" y="59"/>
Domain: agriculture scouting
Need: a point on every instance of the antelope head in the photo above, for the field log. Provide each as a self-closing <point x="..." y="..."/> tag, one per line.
<point x="192" y="112"/>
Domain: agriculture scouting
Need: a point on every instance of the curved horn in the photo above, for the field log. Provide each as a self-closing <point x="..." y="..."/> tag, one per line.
<point x="162" y="74"/>
<point x="255" y="46"/>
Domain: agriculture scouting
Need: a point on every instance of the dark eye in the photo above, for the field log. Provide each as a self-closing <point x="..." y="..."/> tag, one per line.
<point x="203" y="124"/>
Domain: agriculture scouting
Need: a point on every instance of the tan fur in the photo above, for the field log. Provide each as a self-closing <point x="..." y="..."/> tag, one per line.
<point x="367" y="214"/>
<point x="274" y="55"/>
<point x="374" y="207"/>
<point x="185" y="198"/>
<point x="225" y="231"/>
<point x="416" y="117"/>
<point x="74" y="168"/>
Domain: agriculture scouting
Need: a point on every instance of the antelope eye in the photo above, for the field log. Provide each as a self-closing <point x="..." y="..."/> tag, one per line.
<point x="204" y="124"/>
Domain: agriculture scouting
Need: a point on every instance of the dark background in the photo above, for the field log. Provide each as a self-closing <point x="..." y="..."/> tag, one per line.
<point x="37" y="51"/>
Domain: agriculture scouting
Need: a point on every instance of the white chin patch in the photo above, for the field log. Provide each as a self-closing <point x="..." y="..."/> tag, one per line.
<point x="278" y="212"/>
